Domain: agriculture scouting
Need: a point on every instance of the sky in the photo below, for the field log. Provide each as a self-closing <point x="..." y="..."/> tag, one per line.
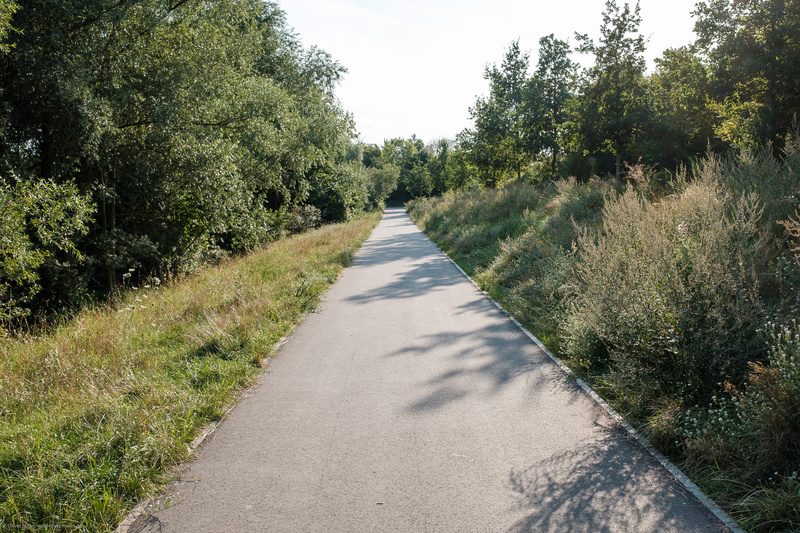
<point x="416" y="66"/>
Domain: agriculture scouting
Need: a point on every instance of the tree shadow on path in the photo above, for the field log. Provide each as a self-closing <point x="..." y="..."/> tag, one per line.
<point x="607" y="486"/>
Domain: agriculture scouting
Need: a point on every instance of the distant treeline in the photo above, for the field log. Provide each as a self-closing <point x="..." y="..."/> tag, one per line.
<point x="143" y="137"/>
<point x="735" y="87"/>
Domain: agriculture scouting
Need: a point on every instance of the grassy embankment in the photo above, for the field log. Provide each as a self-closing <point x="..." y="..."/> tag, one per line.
<point x="95" y="413"/>
<point x="674" y="296"/>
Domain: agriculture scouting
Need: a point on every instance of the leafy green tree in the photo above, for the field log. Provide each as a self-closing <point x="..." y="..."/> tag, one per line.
<point x="486" y="144"/>
<point x="341" y="191"/>
<point x="391" y="157"/>
<point x="460" y="174"/>
<point x="414" y="172"/>
<point x="613" y="104"/>
<point x="192" y="125"/>
<point x="382" y="183"/>
<point x="556" y="74"/>
<point x="754" y="50"/>
<point x="684" y="120"/>
<point x="440" y="154"/>
<point x="411" y="158"/>
<point x="503" y="140"/>
<point x="383" y="174"/>
<point x="7" y="10"/>
<point x="39" y="221"/>
<point x="372" y="154"/>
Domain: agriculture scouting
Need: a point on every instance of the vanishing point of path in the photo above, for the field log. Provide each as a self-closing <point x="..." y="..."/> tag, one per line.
<point x="410" y="403"/>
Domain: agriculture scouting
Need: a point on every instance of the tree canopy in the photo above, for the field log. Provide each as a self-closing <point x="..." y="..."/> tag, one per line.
<point x="503" y="140"/>
<point x="735" y="87"/>
<point x="182" y="129"/>
<point x="613" y="104"/>
<point x="753" y="49"/>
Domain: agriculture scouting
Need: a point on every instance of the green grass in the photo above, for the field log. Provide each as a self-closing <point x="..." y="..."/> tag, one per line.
<point x="96" y="412"/>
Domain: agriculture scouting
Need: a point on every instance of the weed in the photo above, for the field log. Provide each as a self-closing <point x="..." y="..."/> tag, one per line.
<point x="671" y="291"/>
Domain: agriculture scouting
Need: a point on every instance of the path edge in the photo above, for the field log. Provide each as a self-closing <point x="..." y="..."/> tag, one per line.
<point x="144" y="505"/>
<point x="141" y="508"/>
<point x="676" y="472"/>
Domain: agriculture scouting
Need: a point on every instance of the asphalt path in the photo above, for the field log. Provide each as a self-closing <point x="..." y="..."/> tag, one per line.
<point x="408" y="402"/>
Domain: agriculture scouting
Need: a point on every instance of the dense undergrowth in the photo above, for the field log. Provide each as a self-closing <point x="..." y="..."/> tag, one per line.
<point x="674" y="295"/>
<point x="95" y="413"/>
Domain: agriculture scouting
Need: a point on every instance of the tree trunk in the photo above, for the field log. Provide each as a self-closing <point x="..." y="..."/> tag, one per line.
<point x="619" y="160"/>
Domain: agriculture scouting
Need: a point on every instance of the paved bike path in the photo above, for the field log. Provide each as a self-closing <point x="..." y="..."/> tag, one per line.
<point x="409" y="403"/>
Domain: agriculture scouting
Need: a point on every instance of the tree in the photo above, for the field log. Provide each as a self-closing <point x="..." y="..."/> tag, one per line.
<point x="486" y="143"/>
<point x="383" y="174"/>
<point x="438" y="164"/>
<point x="40" y="220"/>
<point x="372" y="154"/>
<point x="414" y="172"/>
<point x="460" y="173"/>
<point x="191" y="124"/>
<point x="556" y="74"/>
<point x="502" y="140"/>
<point x="382" y="183"/>
<point x="613" y="99"/>
<point x="7" y="10"/>
<point x="754" y="50"/>
<point x="683" y="120"/>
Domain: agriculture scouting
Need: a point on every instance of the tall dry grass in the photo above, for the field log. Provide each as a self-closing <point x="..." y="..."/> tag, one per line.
<point x="670" y="293"/>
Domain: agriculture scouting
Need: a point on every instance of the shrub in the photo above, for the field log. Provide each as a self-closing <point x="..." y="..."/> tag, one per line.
<point x="39" y="221"/>
<point x="340" y="193"/>
<point x="776" y="181"/>
<point x="753" y="434"/>
<point x="672" y="293"/>
<point x="517" y="241"/>
<point x="303" y="218"/>
<point x="472" y="224"/>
